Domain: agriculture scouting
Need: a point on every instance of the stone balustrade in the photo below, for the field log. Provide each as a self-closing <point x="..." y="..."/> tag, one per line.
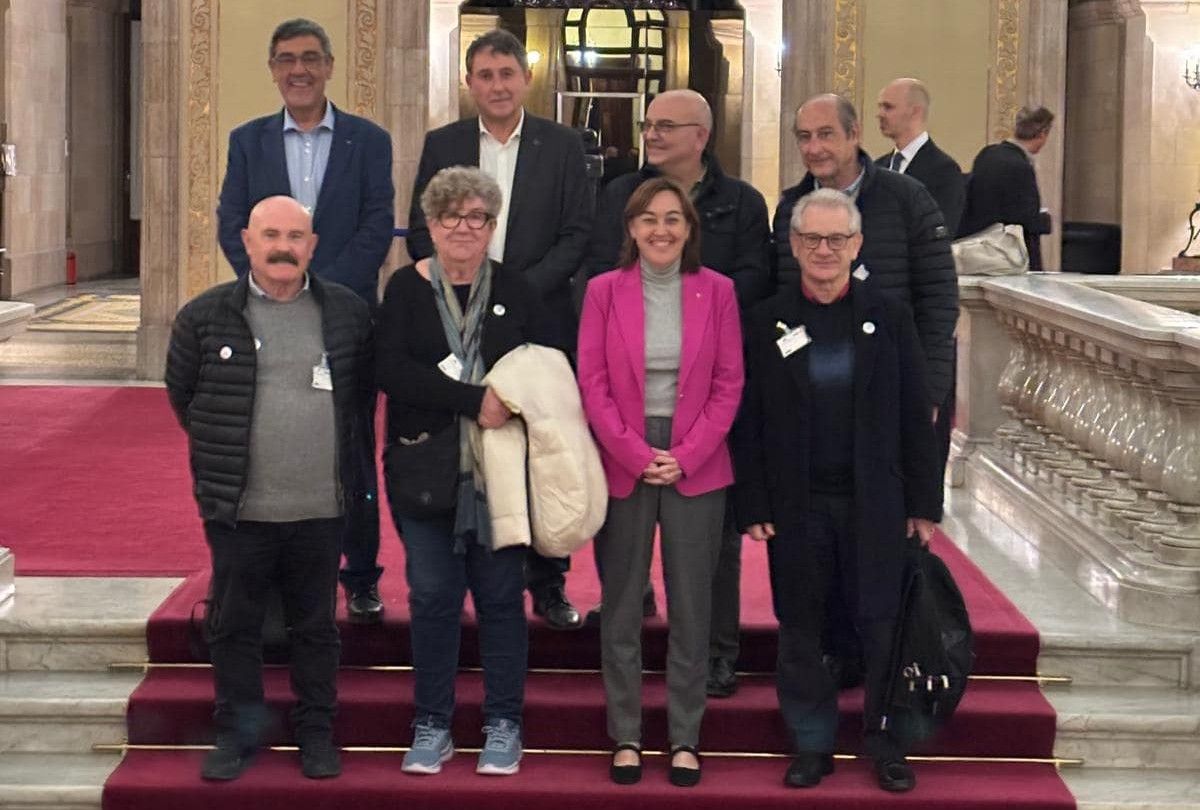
<point x="1079" y="421"/>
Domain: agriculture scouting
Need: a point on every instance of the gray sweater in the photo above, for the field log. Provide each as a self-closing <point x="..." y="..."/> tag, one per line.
<point x="662" y="296"/>
<point x="293" y="437"/>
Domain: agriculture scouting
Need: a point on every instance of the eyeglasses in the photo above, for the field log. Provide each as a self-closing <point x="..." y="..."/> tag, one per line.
<point x="836" y="241"/>
<point x="665" y="127"/>
<point x="287" y="61"/>
<point x="474" y="219"/>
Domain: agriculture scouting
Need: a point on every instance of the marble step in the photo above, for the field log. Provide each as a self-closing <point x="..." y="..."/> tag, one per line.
<point x="63" y="711"/>
<point x="78" y="623"/>
<point x="1128" y="789"/>
<point x="1127" y="727"/>
<point x="38" y="781"/>
<point x="1081" y="637"/>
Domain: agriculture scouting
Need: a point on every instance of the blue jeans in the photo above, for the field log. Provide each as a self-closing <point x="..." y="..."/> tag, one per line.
<point x="437" y="583"/>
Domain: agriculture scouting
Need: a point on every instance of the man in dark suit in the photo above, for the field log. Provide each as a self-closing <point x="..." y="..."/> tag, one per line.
<point x="903" y="110"/>
<point x="1003" y="185"/>
<point x="544" y="222"/>
<point x="339" y="167"/>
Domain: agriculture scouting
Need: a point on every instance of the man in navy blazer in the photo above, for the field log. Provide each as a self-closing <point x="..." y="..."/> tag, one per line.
<point x="353" y="207"/>
<point x="544" y="223"/>
<point x="339" y="167"/>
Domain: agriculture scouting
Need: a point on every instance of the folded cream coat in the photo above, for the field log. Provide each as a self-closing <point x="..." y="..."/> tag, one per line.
<point x="542" y="471"/>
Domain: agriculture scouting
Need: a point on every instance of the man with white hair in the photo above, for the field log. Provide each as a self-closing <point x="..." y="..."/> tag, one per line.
<point x="836" y="464"/>
<point x="735" y="240"/>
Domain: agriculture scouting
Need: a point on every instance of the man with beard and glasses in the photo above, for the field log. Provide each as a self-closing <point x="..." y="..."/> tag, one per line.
<point x="269" y="376"/>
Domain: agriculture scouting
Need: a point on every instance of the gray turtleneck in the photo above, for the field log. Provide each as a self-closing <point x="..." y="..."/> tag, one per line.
<point x="662" y="296"/>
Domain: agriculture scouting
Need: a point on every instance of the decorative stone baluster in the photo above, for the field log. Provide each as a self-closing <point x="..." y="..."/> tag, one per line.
<point x="1181" y="481"/>
<point x="1147" y="530"/>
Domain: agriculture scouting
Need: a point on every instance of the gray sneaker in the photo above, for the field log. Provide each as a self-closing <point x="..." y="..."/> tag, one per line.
<point x="501" y="754"/>
<point x="430" y="748"/>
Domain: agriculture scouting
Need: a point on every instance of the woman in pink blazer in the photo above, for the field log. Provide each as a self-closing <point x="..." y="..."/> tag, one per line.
<point x="660" y="370"/>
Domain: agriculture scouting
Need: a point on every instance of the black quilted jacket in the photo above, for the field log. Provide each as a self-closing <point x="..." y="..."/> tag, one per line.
<point x="906" y="250"/>
<point x="210" y="382"/>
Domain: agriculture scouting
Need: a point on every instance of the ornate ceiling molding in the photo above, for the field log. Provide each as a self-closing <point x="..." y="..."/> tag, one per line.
<point x="201" y="112"/>
<point x="364" y="28"/>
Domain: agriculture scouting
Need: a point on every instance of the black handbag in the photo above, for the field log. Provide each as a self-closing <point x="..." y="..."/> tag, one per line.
<point x="933" y="651"/>
<point x="420" y="474"/>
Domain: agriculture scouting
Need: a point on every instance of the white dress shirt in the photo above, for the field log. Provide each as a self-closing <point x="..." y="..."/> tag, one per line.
<point x="499" y="161"/>
<point x="909" y="152"/>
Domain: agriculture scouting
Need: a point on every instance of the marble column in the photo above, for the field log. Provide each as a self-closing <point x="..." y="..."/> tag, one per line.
<point x="162" y="167"/>
<point x="407" y="103"/>
<point x="1043" y="78"/>
<point x="807" y="67"/>
<point x="7" y="585"/>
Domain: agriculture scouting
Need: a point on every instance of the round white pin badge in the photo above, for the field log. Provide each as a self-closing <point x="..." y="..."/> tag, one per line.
<point x="868" y="328"/>
<point x="499" y="310"/>
<point x="226" y="352"/>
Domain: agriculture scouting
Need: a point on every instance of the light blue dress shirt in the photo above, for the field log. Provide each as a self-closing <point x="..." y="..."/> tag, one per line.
<point x="307" y="155"/>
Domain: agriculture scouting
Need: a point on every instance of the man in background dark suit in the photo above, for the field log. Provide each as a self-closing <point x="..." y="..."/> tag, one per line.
<point x="903" y="113"/>
<point x="543" y="226"/>
<point x="339" y="167"/>
<point x="1003" y="186"/>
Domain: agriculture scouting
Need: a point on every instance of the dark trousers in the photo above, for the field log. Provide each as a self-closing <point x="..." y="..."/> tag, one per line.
<point x="249" y="562"/>
<point x="545" y="574"/>
<point x="944" y="423"/>
<point x="725" y="628"/>
<point x="438" y="580"/>
<point x="360" y="536"/>
<point x="806" y="565"/>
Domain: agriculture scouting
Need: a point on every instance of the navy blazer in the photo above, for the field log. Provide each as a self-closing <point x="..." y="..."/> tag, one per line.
<point x="355" y="210"/>
<point x="1003" y="188"/>
<point x="549" y="215"/>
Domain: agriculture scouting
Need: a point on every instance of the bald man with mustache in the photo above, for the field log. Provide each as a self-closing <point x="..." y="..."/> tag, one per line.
<point x="268" y="376"/>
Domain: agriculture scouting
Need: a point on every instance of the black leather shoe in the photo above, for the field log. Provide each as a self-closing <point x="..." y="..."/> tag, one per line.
<point x="364" y="607"/>
<point x="649" y="609"/>
<point x="557" y="611"/>
<point x="319" y="759"/>
<point x="895" y="775"/>
<point x="626" y="774"/>
<point x="807" y="769"/>
<point x="680" y="776"/>
<point x="722" y="679"/>
<point x="226" y="762"/>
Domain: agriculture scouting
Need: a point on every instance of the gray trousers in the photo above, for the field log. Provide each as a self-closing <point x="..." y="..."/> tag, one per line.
<point x="690" y="528"/>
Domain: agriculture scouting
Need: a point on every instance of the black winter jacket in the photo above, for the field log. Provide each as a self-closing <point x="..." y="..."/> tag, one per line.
<point x="734" y="239"/>
<point x="213" y="395"/>
<point x="906" y="251"/>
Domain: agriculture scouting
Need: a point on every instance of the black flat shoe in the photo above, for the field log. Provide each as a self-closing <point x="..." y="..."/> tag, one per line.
<point x="626" y="774"/>
<point x="684" y="777"/>
<point x="557" y="610"/>
<point x="895" y="775"/>
<point x="807" y="769"/>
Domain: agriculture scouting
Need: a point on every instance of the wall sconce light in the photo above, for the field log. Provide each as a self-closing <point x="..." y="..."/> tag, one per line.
<point x="534" y="57"/>
<point x="590" y="57"/>
<point x="1191" y="73"/>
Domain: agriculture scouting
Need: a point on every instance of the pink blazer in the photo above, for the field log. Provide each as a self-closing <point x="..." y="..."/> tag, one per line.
<point x="612" y="378"/>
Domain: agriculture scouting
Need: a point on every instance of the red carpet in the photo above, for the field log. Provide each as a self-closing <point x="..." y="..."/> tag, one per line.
<point x="97" y="484"/>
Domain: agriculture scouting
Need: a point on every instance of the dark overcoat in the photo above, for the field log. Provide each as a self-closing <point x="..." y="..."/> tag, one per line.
<point x="896" y="470"/>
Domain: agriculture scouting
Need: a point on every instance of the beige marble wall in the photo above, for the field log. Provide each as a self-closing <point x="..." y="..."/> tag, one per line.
<point x="35" y="200"/>
<point x="761" y="113"/>
<point x="1092" y="120"/>
<point x="1170" y="153"/>
<point x="94" y="119"/>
